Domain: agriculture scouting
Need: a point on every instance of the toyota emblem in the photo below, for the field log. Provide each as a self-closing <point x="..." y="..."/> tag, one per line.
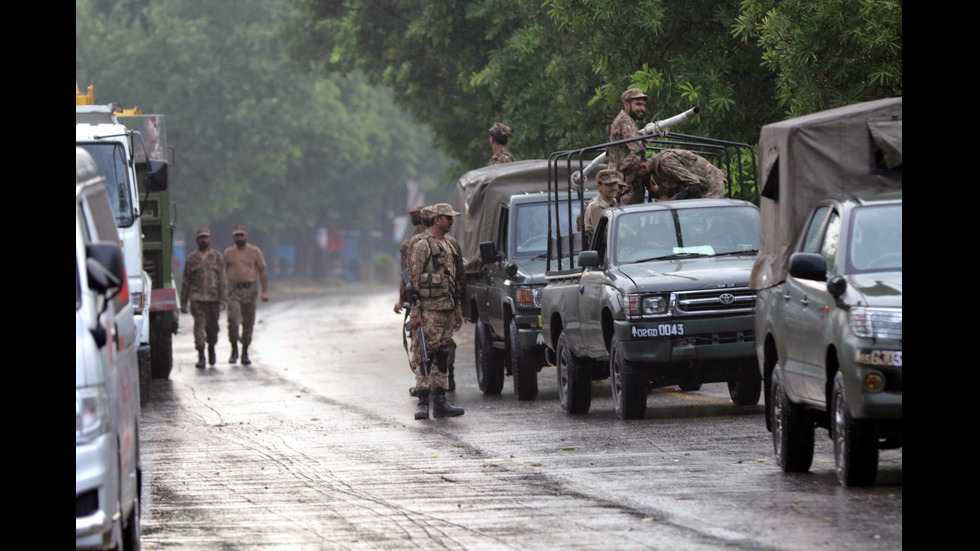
<point x="727" y="298"/>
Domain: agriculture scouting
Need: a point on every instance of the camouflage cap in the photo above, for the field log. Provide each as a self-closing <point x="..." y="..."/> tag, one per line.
<point x="500" y="132"/>
<point x="239" y="230"/>
<point x="415" y="214"/>
<point x="202" y="232"/>
<point x="609" y="176"/>
<point x="632" y="94"/>
<point x="443" y="209"/>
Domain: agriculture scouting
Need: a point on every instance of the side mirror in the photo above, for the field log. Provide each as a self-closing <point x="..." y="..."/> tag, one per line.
<point x="810" y="266"/>
<point x="156" y="176"/>
<point x="488" y="253"/>
<point x="836" y="286"/>
<point x="105" y="266"/>
<point x="510" y="269"/>
<point x="587" y="259"/>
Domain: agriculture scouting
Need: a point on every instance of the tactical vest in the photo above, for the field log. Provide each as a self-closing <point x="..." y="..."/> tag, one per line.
<point x="437" y="280"/>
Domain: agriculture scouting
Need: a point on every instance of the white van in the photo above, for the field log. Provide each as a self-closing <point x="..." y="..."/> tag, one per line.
<point x="107" y="400"/>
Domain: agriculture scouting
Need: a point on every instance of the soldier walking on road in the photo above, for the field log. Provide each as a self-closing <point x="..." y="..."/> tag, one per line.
<point x="205" y="288"/>
<point x="433" y="270"/>
<point x="626" y="158"/>
<point x="499" y="134"/>
<point x="242" y="262"/>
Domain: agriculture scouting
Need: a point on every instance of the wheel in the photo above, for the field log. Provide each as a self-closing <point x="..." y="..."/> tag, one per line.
<point x="132" y="532"/>
<point x="574" y="380"/>
<point x="144" y="359"/>
<point x="489" y="361"/>
<point x="792" y="430"/>
<point x="522" y="366"/>
<point x="629" y="385"/>
<point x="855" y="442"/>
<point x="161" y="344"/>
<point x="745" y="392"/>
<point x="690" y="387"/>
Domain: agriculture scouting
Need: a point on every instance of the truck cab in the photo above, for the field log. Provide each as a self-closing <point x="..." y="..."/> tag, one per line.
<point x="504" y="240"/>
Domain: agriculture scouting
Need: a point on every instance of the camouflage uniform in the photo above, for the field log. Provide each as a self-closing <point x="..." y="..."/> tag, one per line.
<point x="676" y="169"/>
<point x="243" y="289"/>
<point x="500" y="133"/>
<point x="204" y="287"/>
<point x="595" y="206"/>
<point x="626" y="158"/>
<point x="502" y="157"/>
<point x="433" y="266"/>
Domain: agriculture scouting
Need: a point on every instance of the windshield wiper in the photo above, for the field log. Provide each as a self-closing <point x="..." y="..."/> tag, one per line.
<point x="674" y="256"/>
<point x="733" y="253"/>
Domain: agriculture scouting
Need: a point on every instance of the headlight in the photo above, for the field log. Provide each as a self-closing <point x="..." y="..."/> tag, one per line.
<point x="90" y="413"/>
<point x="639" y="306"/>
<point x="528" y="296"/>
<point x="877" y="323"/>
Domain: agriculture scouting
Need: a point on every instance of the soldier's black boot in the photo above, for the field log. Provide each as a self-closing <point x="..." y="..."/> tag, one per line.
<point x="245" y="360"/>
<point x="234" y="352"/>
<point x="440" y="408"/>
<point x="422" y="412"/>
<point x="211" y="357"/>
<point x="413" y="392"/>
<point x="200" y="358"/>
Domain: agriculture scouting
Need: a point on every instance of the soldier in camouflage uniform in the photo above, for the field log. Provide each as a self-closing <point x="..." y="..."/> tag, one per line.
<point x="499" y="134"/>
<point x="242" y="261"/>
<point x="626" y="158"/>
<point x="419" y="227"/>
<point x="434" y="265"/>
<point x="682" y="174"/>
<point x="205" y="288"/>
<point x="610" y="184"/>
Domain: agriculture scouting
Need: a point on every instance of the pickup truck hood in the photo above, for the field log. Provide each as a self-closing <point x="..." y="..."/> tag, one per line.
<point x="882" y="289"/>
<point x="532" y="271"/>
<point x="690" y="273"/>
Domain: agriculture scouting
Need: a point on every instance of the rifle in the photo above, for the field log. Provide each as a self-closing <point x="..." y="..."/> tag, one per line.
<point x="410" y="292"/>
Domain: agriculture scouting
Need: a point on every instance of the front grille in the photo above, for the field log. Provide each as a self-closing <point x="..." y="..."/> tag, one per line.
<point x="87" y="503"/>
<point x="715" y="301"/>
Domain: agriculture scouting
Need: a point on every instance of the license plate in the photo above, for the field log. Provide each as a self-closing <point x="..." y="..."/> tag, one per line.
<point x="659" y="330"/>
<point x="892" y="358"/>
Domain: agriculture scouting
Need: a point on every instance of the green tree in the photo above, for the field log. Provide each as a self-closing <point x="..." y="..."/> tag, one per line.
<point x="826" y="53"/>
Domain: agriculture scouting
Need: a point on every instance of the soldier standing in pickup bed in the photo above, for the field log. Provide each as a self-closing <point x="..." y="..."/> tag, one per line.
<point x="682" y="174"/>
<point x="499" y="134"/>
<point x="205" y="288"/>
<point x="434" y="266"/>
<point x="610" y="184"/>
<point x="242" y="261"/>
<point x="626" y="158"/>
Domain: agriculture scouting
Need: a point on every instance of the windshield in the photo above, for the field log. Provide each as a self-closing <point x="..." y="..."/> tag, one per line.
<point x="531" y="227"/>
<point x="111" y="161"/>
<point x="875" y="239"/>
<point x="661" y="234"/>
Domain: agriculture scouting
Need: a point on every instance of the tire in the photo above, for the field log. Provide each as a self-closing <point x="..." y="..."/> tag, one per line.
<point x="629" y="385"/>
<point x="522" y="366"/>
<point x="489" y="361"/>
<point x="161" y="344"/>
<point x="690" y="387"/>
<point x="145" y="359"/>
<point x="855" y="442"/>
<point x="132" y="532"/>
<point x="574" y="380"/>
<point x="745" y="392"/>
<point x="792" y="429"/>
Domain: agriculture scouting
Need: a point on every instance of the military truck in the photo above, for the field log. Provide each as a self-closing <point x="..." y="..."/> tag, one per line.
<point x="134" y="166"/>
<point x="828" y="281"/>
<point x="503" y="235"/>
<point x="660" y="295"/>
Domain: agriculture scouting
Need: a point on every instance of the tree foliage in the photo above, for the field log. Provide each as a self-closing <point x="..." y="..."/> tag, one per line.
<point x="258" y="139"/>
<point x="826" y="53"/>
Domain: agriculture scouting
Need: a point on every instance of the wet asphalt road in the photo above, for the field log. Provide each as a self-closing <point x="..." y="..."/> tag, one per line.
<point x="314" y="446"/>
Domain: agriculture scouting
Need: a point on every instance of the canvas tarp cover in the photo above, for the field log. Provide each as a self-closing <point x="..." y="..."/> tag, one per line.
<point x="829" y="154"/>
<point x="480" y="190"/>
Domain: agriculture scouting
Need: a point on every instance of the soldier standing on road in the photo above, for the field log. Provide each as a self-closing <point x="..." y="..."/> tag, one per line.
<point x="626" y="158"/>
<point x="205" y="288"/>
<point x="242" y="261"/>
<point x="405" y="249"/>
<point x="610" y="184"/>
<point x="433" y="270"/>
<point x="682" y="174"/>
<point x="499" y="134"/>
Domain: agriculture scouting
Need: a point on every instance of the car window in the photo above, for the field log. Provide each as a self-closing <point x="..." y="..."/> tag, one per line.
<point x="831" y="240"/>
<point x="875" y="239"/>
<point x="811" y="240"/>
